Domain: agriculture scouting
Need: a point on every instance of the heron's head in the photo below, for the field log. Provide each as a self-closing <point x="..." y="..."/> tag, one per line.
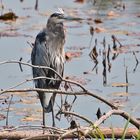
<point x="56" y="20"/>
<point x="57" y="17"/>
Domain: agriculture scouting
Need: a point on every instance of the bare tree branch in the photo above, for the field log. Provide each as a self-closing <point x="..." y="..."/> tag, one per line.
<point x="44" y="67"/>
<point x="122" y="113"/>
<point x="77" y="115"/>
<point x="62" y="92"/>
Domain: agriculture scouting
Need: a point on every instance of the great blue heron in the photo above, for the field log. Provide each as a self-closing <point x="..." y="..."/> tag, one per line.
<point x="49" y="51"/>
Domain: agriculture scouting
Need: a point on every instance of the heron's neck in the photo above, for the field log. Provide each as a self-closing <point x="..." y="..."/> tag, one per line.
<point x="56" y="31"/>
<point x="55" y="27"/>
<point x="57" y="34"/>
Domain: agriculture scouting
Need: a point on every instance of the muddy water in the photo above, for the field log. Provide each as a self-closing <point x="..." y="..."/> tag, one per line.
<point x="110" y="84"/>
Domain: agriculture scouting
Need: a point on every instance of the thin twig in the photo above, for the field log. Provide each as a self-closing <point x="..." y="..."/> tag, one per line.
<point x="90" y="41"/>
<point x="41" y="77"/>
<point x="77" y="115"/>
<point x="30" y="44"/>
<point x="92" y="34"/>
<point x="30" y="65"/>
<point x="36" y="5"/>
<point x="7" y="116"/>
<point x="113" y="37"/>
<point x="28" y="80"/>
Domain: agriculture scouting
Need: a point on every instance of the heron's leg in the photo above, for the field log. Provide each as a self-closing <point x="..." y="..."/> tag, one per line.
<point x="43" y="118"/>
<point x="43" y="121"/>
<point x="53" y="123"/>
<point x="52" y="104"/>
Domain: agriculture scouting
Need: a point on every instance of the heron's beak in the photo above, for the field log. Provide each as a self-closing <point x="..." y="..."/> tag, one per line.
<point x="69" y="18"/>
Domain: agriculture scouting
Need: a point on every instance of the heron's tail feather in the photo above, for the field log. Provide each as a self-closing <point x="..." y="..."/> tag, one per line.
<point x="50" y="105"/>
<point x="47" y="101"/>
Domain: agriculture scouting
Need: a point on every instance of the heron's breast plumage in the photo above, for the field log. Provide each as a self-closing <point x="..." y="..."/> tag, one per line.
<point x="48" y="51"/>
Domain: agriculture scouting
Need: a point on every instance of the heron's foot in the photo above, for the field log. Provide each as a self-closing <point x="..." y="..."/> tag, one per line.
<point x="53" y="124"/>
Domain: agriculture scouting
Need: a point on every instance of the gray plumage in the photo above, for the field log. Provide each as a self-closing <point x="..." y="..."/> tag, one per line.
<point x="48" y="51"/>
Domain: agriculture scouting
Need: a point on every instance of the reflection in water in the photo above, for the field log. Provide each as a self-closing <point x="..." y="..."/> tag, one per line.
<point x="115" y="55"/>
<point x="114" y="42"/>
<point x="106" y="4"/>
<point x="94" y="54"/>
<point x="104" y="71"/>
<point x="108" y="58"/>
<point x="114" y="47"/>
<point x="36" y="5"/>
<point x="92" y="34"/>
<point x="105" y="59"/>
<point x="104" y="63"/>
<point x="126" y="75"/>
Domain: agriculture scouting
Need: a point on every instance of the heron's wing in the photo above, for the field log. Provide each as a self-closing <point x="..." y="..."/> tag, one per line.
<point x="43" y="55"/>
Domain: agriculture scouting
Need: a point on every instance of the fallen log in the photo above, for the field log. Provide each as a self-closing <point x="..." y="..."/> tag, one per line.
<point x="87" y="132"/>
